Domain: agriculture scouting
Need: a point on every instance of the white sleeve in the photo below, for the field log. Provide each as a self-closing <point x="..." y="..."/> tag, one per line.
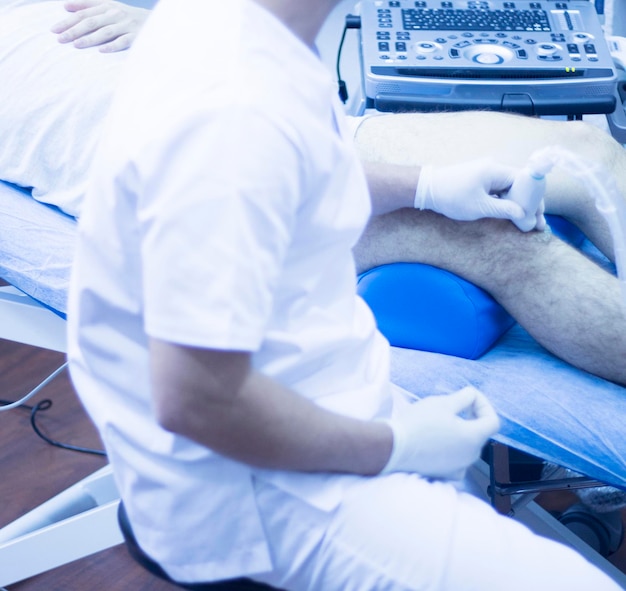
<point x="216" y="224"/>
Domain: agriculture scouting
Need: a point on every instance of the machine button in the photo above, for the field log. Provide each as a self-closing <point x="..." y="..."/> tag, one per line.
<point x="488" y="58"/>
<point x="549" y="58"/>
<point x="383" y="46"/>
<point x="425" y="47"/>
<point x="546" y="49"/>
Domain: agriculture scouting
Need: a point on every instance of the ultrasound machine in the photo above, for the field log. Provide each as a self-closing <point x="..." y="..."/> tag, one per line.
<point x="546" y="57"/>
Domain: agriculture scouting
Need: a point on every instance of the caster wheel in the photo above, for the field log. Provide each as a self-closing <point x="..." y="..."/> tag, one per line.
<point x="604" y="532"/>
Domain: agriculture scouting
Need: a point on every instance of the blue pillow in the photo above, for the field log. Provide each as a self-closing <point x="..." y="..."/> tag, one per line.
<point x="422" y="307"/>
<point x="565" y="230"/>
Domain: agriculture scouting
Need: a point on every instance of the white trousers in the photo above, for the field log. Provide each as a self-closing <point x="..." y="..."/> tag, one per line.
<point x="401" y="532"/>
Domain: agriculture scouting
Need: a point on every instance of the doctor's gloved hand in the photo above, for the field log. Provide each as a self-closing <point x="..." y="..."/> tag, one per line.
<point x="431" y="438"/>
<point x="468" y="191"/>
<point x="110" y="25"/>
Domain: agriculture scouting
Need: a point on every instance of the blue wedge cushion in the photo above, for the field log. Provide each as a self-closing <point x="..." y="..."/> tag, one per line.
<point x="422" y="307"/>
<point x="565" y="230"/>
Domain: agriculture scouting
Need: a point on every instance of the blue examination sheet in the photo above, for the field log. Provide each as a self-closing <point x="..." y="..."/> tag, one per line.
<point x="547" y="407"/>
<point x="36" y="247"/>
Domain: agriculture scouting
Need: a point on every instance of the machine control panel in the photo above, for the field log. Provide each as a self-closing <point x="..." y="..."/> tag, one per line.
<point x="459" y="53"/>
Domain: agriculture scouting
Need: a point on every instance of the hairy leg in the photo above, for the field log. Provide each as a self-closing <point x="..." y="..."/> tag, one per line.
<point x="582" y="321"/>
<point x="446" y="138"/>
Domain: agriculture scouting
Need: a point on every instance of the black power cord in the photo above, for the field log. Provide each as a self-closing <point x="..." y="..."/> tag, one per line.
<point x="44" y="405"/>
<point x="352" y="22"/>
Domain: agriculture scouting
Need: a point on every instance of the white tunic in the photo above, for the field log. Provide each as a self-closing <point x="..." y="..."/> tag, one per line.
<point x="225" y="200"/>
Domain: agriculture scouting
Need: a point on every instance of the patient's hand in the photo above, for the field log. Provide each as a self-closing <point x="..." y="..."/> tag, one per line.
<point x="110" y="25"/>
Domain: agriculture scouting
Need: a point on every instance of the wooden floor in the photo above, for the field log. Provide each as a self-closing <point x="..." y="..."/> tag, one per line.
<point x="33" y="471"/>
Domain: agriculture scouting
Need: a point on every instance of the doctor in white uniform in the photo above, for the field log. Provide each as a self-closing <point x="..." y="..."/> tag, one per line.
<point x="240" y="386"/>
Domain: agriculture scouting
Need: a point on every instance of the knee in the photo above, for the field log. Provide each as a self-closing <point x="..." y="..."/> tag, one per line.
<point x="597" y="144"/>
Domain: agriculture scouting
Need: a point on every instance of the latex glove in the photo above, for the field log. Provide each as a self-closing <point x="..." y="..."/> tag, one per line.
<point x="108" y="24"/>
<point x="468" y="191"/>
<point x="431" y="437"/>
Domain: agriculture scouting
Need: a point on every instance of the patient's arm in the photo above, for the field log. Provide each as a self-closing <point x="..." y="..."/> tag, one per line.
<point x="569" y="304"/>
<point x="110" y="25"/>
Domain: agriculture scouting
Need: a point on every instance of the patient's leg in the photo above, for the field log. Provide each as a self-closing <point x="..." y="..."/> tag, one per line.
<point x="566" y="302"/>
<point x="569" y="304"/>
<point x="445" y="138"/>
